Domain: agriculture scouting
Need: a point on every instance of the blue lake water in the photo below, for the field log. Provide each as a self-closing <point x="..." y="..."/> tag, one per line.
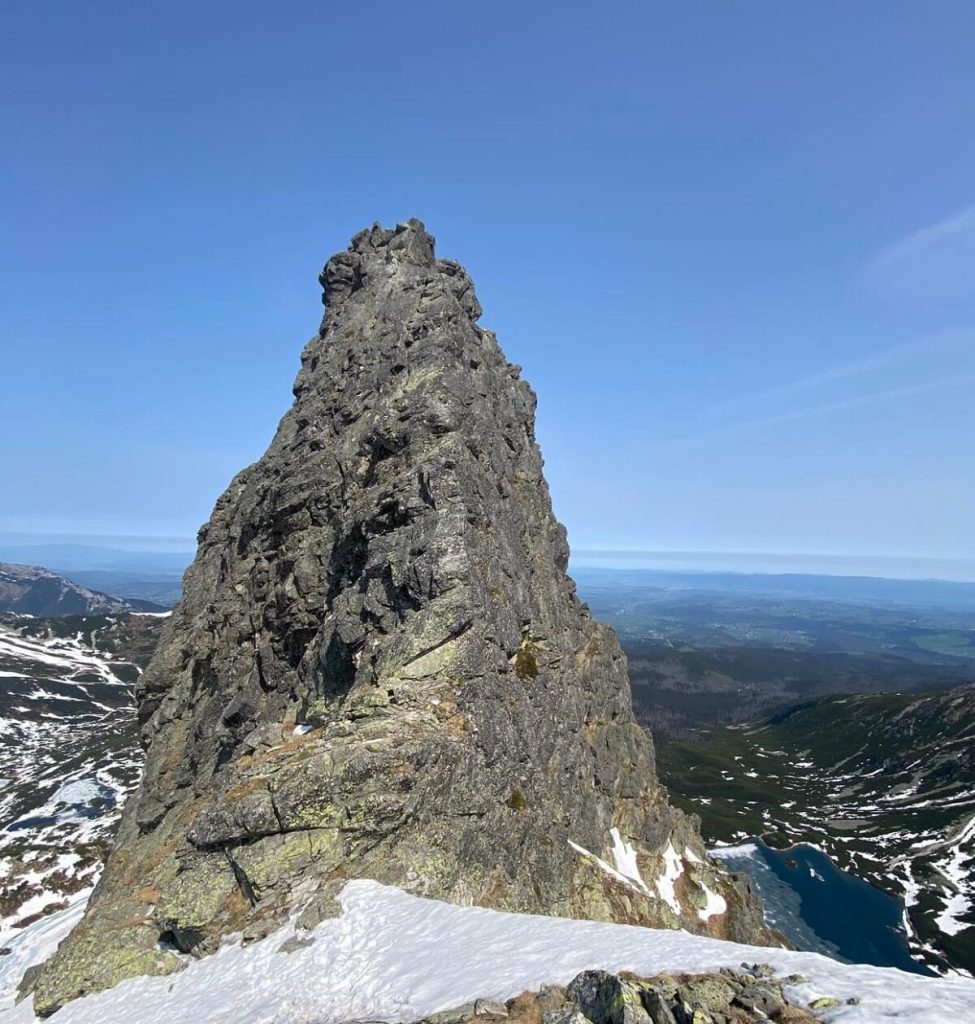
<point x="821" y="908"/>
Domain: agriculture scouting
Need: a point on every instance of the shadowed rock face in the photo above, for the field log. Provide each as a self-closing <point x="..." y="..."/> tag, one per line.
<point x="379" y="667"/>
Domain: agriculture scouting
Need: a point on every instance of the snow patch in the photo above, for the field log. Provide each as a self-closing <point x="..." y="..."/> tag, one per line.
<point x="392" y="956"/>
<point x="611" y="871"/>
<point x="625" y="856"/>
<point x="673" y="869"/>
<point x="741" y="850"/>
<point x="716" y="904"/>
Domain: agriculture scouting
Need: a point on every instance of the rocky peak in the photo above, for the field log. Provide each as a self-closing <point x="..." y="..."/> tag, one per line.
<point x="379" y="667"/>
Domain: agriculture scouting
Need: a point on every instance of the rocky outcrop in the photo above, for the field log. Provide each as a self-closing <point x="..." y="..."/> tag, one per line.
<point x="747" y="996"/>
<point x="379" y="667"/>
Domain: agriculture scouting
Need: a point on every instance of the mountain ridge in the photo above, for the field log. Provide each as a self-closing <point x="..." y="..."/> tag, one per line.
<point x="34" y="590"/>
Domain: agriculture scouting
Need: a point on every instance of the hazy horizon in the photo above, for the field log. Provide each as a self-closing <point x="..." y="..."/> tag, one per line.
<point x="744" y="562"/>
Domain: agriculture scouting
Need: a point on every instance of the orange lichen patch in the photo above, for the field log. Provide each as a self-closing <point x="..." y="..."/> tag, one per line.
<point x="494" y="892"/>
<point x="715" y="927"/>
<point x="684" y="886"/>
<point x="283" y="751"/>
<point x="237" y="905"/>
<point x="135" y="872"/>
<point x="246" y="788"/>
<point x="452" y="718"/>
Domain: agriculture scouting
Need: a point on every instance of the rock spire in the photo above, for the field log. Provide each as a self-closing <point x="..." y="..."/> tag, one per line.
<point x="379" y="667"/>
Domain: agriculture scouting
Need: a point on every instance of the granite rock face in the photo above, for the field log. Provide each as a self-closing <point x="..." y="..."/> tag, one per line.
<point x="379" y="668"/>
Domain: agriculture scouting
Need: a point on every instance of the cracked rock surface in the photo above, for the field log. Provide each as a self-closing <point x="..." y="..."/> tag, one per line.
<point x="379" y="668"/>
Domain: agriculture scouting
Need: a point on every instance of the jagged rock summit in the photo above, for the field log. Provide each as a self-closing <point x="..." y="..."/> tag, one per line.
<point x="379" y="667"/>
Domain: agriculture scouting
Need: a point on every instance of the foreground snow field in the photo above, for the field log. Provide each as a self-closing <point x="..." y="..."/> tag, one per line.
<point x="396" y="957"/>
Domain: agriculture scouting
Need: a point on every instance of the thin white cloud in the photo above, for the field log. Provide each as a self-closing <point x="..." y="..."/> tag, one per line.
<point x="846" y="403"/>
<point x="926" y="238"/>
<point x="871" y="366"/>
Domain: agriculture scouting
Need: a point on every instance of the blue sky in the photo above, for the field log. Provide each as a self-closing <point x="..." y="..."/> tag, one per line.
<point x="731" y="243"/>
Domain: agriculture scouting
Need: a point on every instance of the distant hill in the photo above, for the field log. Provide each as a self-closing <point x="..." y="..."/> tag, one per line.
<point x="32" y="590"/>
<point x="703" y="653"/>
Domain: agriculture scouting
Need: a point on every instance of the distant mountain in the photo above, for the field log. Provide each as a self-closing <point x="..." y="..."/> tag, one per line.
<point x="32" y="590"/>
<point x="884" y="783"/>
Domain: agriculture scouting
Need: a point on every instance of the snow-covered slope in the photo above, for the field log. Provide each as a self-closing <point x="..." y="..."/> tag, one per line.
<point x="395" y="957"/>
<point x="68" y="753"/>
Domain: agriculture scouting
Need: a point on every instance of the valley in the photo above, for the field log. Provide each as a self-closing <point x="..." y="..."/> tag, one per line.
<point x="884" y="784"/>
<point x="711" y="649"/>
<point x="829" y="711"/>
